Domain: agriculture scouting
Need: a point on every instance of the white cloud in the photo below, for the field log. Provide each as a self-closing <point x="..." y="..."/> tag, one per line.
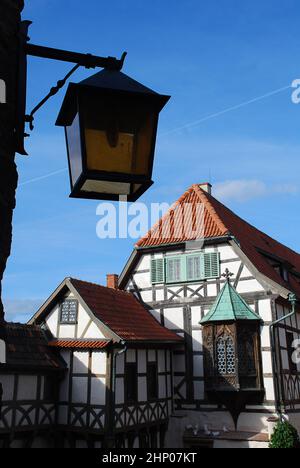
<point x="244" y="190"/>
<point x="20" y="310"/>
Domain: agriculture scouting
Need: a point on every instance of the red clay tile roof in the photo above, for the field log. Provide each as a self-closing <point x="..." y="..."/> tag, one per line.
<point x="27" y="348"/>
<point x="179" y="225"/>
<point x="219" y="221"/>
<point x="123" y="313"/>
<point x="79" y="344"/>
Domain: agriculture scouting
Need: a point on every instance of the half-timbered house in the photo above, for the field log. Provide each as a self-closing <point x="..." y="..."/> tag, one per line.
<point x="176" y="352"/>
<point x="118" y="388"/>
<point x="30" y="374"/>
<point x="220" y="283"/>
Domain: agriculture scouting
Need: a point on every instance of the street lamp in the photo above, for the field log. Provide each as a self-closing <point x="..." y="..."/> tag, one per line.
<point x="110" y="124"/>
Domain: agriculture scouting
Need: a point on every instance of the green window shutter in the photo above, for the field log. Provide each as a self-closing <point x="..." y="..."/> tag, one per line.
<point x="158" y="271"/>
<point x="175" y="269"/>
<point x="210" y="265"/>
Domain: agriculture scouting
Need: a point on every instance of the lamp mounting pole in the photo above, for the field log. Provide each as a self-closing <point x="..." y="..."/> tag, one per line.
<point x="84" y="60"/>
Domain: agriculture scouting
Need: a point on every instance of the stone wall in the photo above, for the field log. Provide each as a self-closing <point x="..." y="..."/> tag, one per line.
<point x="10" y="12"/>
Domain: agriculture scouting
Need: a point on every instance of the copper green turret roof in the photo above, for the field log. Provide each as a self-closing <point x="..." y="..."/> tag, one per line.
<point x="230" y="307"/>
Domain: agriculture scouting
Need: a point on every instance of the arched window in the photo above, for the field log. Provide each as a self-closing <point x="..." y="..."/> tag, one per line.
<point x="225" y="355"/>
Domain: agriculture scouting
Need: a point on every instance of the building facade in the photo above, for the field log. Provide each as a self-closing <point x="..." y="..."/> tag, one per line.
<point x="176" y="352"/>
<point x="178" y="270"/>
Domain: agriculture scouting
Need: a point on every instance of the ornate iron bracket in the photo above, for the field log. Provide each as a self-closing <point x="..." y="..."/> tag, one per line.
<point x="81" y="60"/>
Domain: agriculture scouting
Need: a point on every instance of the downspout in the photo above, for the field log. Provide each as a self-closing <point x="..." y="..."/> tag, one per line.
<point x="112" y="409"/>
<point x="279" y="397"/>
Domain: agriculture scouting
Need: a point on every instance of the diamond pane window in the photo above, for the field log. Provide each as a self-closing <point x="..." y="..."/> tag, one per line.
<point x="225" y="356"/>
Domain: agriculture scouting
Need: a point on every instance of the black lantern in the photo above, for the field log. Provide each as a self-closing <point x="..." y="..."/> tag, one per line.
<point x="111" y="124"/>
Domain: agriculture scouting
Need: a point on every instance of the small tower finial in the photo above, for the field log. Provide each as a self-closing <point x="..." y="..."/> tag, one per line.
<point x="227" y="275"/>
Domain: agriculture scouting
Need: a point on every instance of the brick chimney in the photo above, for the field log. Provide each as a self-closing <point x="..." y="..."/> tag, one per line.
<point x="112" y="281"/>
<point x="207" y="187"/>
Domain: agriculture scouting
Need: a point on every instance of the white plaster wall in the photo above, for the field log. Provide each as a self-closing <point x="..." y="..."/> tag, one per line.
<point x="2" y="352"/>
<point x="119" y="391"/>
<point x="66" y="331"/>
<point x="142" y="280"/>
<point x="120" y="364"/>
<point x="269" y="387"/>
<point x="249" y="286"/>
<point x="7" y="382"/>
<point x="226" y="252"/>
<point x="161" y="361"/>
<point x="267" y="362"/>
<point x="199" y="391"/>
<point x="80" y="362"/>
<point x="98" y="391"/>
<point x="2" y="92"/>
<point x="131" y="355"/>
<point x="83" y="321"/>
<point x="79" y="390"/>
<point x="196" y="315"/>
<point x="198" y="366"/>
<point x="142" y="361"/>
<point x="64" y="388"/>
<point x="265" y="310"/>
<point x="27" y="387"/>
<point x="212" y="290"/>
<point x="174" y="318"/>
<point x="197" y="340"/>
<point x="142" y="389"/>
<point x="99" y="363"/>
<point x="265" y="337"/>
<point x="52" y="320"/>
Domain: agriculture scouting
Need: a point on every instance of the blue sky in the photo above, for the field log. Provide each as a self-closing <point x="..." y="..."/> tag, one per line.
<point x="228" y="66"/>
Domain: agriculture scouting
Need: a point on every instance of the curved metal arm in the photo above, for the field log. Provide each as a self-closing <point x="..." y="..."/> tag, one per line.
<point x="53" y="91"/>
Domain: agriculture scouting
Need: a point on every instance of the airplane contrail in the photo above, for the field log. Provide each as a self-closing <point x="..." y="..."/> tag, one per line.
<point x="46" y="176"/>
<point x="193" y="124"/>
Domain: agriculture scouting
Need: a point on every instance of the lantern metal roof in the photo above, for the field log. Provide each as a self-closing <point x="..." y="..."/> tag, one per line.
<point x="106" y="81"/>
<point x="230" y="307"/>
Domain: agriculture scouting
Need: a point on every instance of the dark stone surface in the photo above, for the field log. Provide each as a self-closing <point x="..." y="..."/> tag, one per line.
<point x="10" y="13"/>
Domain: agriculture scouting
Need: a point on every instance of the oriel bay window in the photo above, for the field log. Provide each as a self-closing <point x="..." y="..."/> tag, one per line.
<point x="232" y="351"/>
<point x="185" y="268"/>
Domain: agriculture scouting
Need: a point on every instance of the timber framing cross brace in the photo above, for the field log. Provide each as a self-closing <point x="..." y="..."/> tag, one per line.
<point x="28" y="49"/>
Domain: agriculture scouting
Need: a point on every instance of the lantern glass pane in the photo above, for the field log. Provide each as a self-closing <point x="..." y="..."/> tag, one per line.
<point x="98" y="186"/>
<point x="119" y="134"/>
<point x="102" y="156"/>
<point x="74" y="147"/>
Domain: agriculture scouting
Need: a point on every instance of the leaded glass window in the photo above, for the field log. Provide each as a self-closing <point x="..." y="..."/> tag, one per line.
<point x="69" y="312"/>
<point x="225" y="355"/>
